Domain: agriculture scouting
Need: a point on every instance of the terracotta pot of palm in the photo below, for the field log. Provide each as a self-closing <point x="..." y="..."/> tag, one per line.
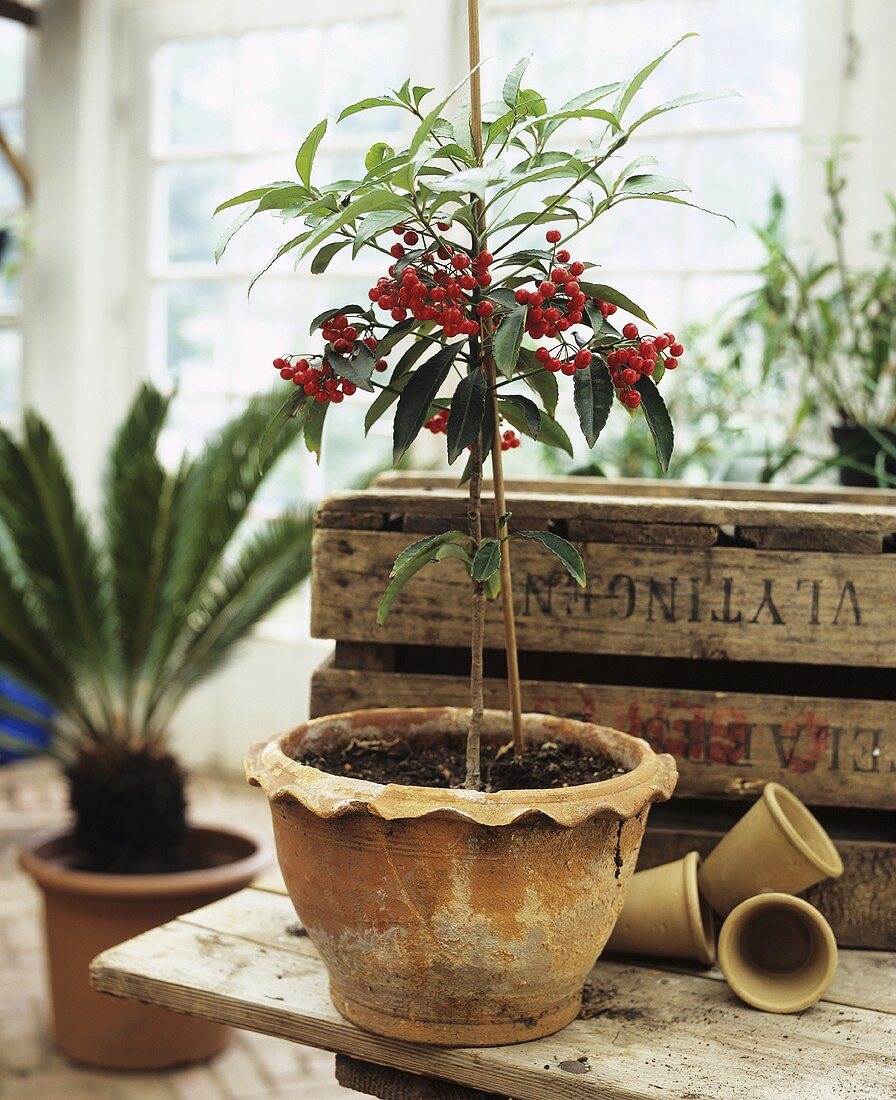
<point x="112" y="630"/>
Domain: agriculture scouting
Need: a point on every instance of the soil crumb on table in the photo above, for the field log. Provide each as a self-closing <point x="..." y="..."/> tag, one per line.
<point x="551" y="764"/>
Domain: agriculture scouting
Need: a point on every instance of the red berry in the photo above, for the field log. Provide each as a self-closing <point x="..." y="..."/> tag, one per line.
<point x="542" y="354"/>
<point x="575" y="268"/>
<point x="348" y="388"/>
<point x="563" y="256"/>
<point x="397" y="250"/>
<point x="443" y="226"/>
<point x="631" y="398"/>
<point x="552" y="236"/>
<point x="661" y="343"/>
<point x="460" y="260"/>
<point x="485" y="259"/>
<point x="398" y="230"/>
<point x="485" y="279"/>
<point x="485" y="309"/>
<point x="583" y="359"/>
<point x="630" y="331"/>
<point x="559" y="276"/>
<point x="629" y="376"/>
<point x="670" y="362"/>
<point x="676" y="350"/>
<point x="286" y="373"/>
<point x="521" y="295"/>
<point x="547" y="290"/>
<point x="568" y="367"/>
<point x="411" y="237"/>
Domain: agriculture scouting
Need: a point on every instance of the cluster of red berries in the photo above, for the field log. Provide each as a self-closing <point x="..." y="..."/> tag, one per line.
<point x="438" y="425"/>
<point x="437" y="288"/>
<point x="629" y="364"/>
<point x="322" y="383"/>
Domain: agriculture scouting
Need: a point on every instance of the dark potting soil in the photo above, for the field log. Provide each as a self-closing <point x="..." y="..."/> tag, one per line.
<point x="551" y="764"/>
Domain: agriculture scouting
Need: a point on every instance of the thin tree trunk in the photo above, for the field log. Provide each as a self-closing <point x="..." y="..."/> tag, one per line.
<point x="472" y="780"/>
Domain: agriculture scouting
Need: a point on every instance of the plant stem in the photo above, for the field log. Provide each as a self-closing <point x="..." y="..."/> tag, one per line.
<point x="474" y="732"/>
<point x="488" y="365"/>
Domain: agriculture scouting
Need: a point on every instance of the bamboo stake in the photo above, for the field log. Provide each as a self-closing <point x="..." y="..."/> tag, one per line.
<point x="513" y="672"/>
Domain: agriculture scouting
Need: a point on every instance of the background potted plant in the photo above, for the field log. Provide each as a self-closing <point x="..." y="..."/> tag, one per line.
<point x="824" y="335"/>
<point x="449" y="914"/>
<point x="113" y="632"/>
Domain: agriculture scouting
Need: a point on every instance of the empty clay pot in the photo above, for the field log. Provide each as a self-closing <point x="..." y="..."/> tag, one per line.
<point x="450" y="916"/>
<point x="87" y="912"/>
<point x="777" y="953"/>
<point x="665" y="915"/>
<point x="776" y="846"/>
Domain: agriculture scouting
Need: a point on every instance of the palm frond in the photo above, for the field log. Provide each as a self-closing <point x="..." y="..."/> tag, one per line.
<point x="54" y="552"/>
<point x="137" y="504"/>
<point x="272" y="563"/>
<point x="217" y="492"/>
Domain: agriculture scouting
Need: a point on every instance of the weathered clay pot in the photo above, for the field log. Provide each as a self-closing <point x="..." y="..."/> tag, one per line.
<point x="456" y="917"/>
<point x="87" y="912"/>
<point x="665" y="915"/>
<point x="778" y="845"/>
<point x="777" y="953"/>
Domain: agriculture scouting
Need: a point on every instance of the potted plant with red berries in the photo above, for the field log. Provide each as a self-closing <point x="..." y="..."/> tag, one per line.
<point x="460" y="884"/>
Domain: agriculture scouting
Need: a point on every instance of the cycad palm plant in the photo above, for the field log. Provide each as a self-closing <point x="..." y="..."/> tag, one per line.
<point x="115" y="627"/>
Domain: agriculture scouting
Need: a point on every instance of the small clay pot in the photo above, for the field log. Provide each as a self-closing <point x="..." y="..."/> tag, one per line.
<point x="86" y="912"/>
<point x="777" y="953"/>
<point x="450" y="916"/>
<point x="776" y="846"/>
<point x="665" y="915"/>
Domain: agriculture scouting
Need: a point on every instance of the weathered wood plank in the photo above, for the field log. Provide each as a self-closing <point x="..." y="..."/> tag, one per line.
<point x="394" y="1084"/>
<point x="655" y="1033"/>
<point x="654" y="487"/>
<point x="650" y="509"/>
<point x="829" y="752"/>
<point x="859" y="906"/>
<point x="719" y="603"/>
<point x="802" y="538"/>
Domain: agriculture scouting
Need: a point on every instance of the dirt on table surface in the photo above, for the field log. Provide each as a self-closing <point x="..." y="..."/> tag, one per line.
<point x="551" y="764"/>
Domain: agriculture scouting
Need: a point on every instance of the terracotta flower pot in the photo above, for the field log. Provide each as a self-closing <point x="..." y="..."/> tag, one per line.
<point x="776" y="846"/>
<point x="449" y="916"/>
<point x="665" y="915"/>
<point x="87" y="912"/>
<point x="777" y="953"/>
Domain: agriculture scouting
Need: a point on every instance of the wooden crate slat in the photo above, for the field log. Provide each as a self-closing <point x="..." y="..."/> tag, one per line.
<point x="658" y="1032"/>
<point x="728" y="744"/>
<point x="650" y="487"/>
<point x="785" y="606"/>
<point x="657" y="509"/>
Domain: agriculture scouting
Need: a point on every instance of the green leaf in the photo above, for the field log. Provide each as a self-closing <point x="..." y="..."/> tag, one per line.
<point x="467" y="411"/>
<point x="541" y="381"/>
<point x="294" y="408"/>
<point x="367" y="105"/>
<point x="682" y="202"/>
<point x="552" y="433"/>
<point x="652" y="185"/>
<point x="614" y="297"/>
<point x="593" y="393"/>
<point x="473" y="181"/>
<point x="452" y="550"/>
<point x="252" y="196"/>
<point x="563" y="551"/>
<point x="684" y="101"/>
<point x="507" y="341"/>
<point x="314" y="428"/>
<point x="234" y="227"/>
<point x="658" y="420"/>
<point x="511" y="88"/>
<point x="422" y="546"/>
<point x="307" y="151"/>
<point x="632" y="88"/>
<point x="386" y="398"/>
<point x="412" y="410"/>
<point x="379" y="221"/>
<point x="377" y="154"/>
<point x="487" y="560"/>
<point x="283" y="197"/>
<point x="373" y="200"/>
<point x="357" y="367"/>
<point x="352" y="310"/>
<point x="321" y="261"/>
<point x="425" y="128"/>
<point x="522" y="413"/>
<point x="397" y="333"/>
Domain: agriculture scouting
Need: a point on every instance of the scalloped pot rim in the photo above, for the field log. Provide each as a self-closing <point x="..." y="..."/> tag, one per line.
<point x="651" y="776"/>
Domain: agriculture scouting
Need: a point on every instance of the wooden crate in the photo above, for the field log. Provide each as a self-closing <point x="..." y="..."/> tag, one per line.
<point x="751" y="632"/>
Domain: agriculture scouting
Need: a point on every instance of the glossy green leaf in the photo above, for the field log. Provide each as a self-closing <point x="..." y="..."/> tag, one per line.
<point x="253" y="195"/>
<point x="522" y="413"/>
<point x="652" y="185"/>
<point x="314" y="428"/>
<point x="408" y="563"/>
<point x="553" y="434"/>
<point x="375" y="223"/>
<point x="507" y="340"/>
<point x="634" y="85"/>
<point x="357" y="368"/>
<point x="541" y="381"/>
<point x="386" y="398"/>
<point x="322" y="259"/>
<point x="294" y="408"/>
<point x="367" y="105"/>
<point x="412" y="410"/>
<point x="232" y="229"/>
<point x="352" y="310"/>
<point x="467" y="411"/>
<point x="593" y="394"/>
<point x="373" y="200"/>
<point x="423" y="546"/>
<point x="307" y="151"/>
<point x="425" y="128"/>
<point x="511" y="88"/>
<point x="487" y="560"/>
<point x="563" y="551"/>
<point x="658" y="420"/>
<point x="683" y="101"/>
<point x="614" y="297"/>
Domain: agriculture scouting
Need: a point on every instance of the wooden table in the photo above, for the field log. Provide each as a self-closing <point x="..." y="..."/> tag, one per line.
<point x="655" y="1031"/>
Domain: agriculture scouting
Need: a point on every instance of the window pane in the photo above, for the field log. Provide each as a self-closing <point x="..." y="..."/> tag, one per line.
<point x="10" y="374"/>
<point x="195" y="345"/>
<point x="187" y="195"/>
<point x="355" y="77"/>
<point x="193" y="89"/>
<point x="546" y="34"/>
<point x="279" y="73"/>
<point x="13" y="39"/>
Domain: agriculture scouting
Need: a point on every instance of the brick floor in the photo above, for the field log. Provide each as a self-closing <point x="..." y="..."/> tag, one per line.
<point x="254" y="1067"/>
